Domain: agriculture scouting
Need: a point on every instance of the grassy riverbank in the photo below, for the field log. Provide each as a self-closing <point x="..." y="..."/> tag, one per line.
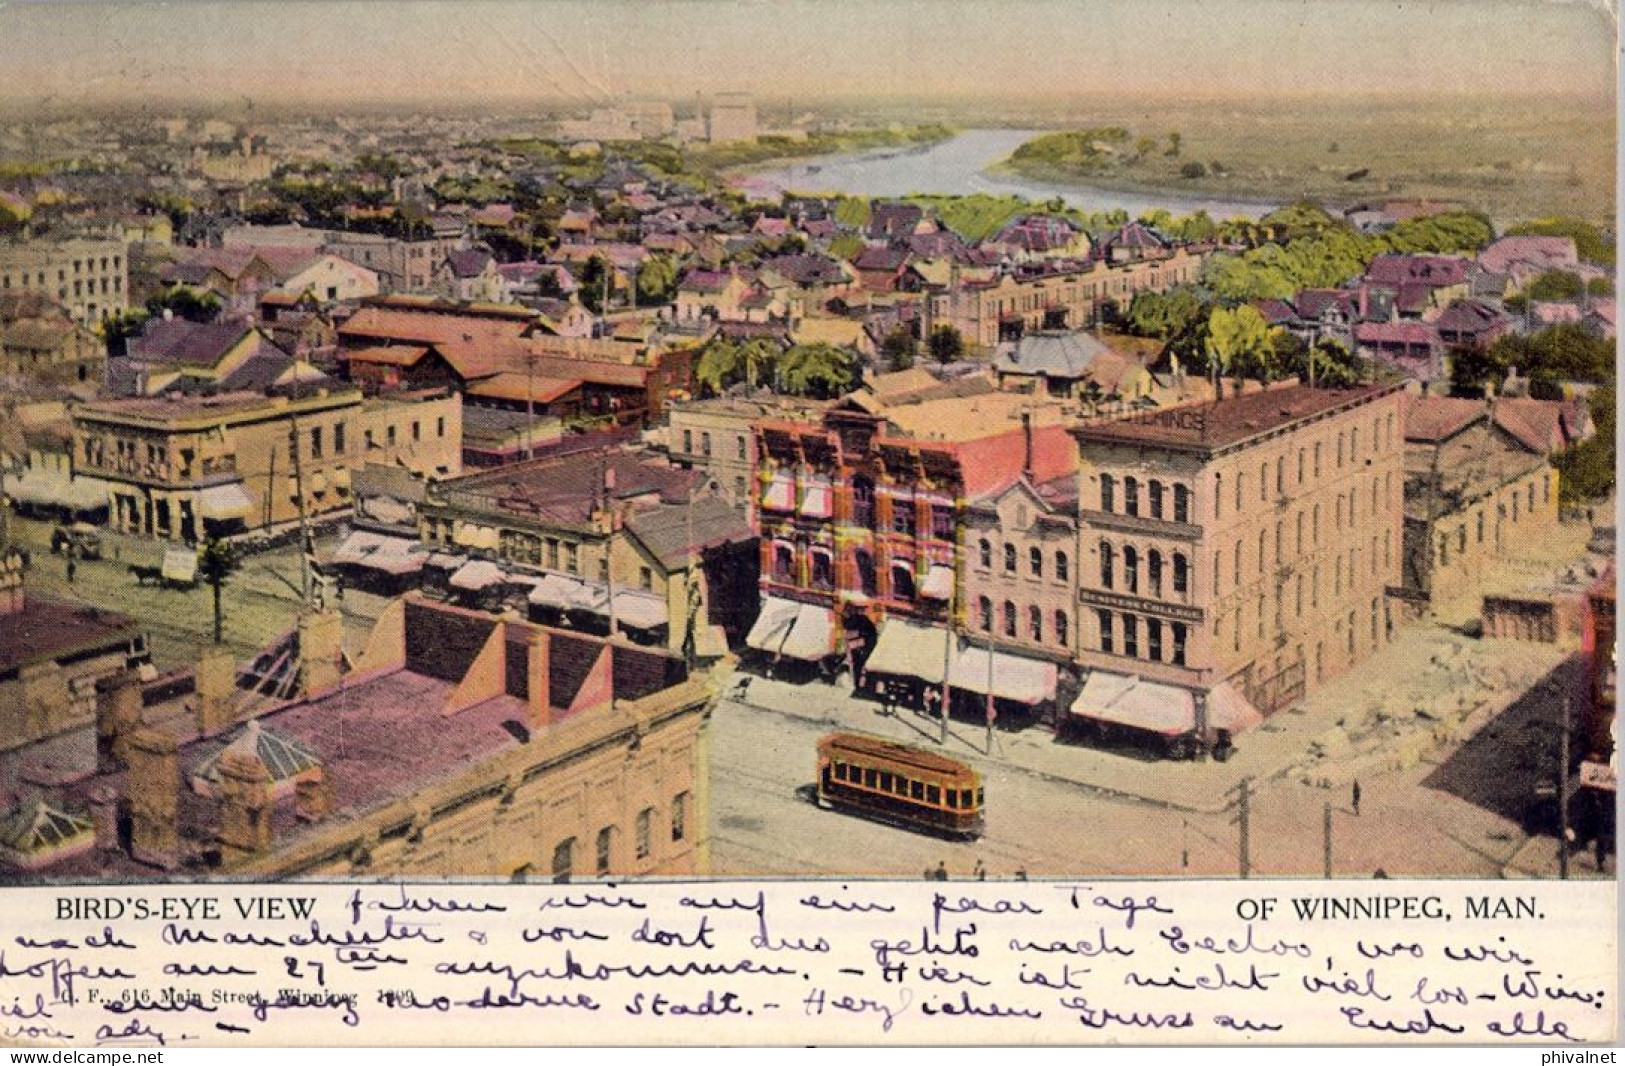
<point x="1512" y="160"/>
<point x="737" y="154"/>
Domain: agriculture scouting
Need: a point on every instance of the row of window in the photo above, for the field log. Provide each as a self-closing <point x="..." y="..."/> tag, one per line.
<point x="1156" y="497"/>
<point x="79" y="266"/>
<point x="705" y="444"/>
<point x="564" y="853"/>
<point x="1156" y="564"/>
<point x="1062" y="569"/>
<point x="821" y="571"/>
<point x="1262" y="555"/>
<point x="958" y="799"/>
<point x="318" y="437"/>
<point x="1060" y="629"/>
<point x="1161" y="638"/>
<point x="1309" y="463"/>
<point x="1523" y="501"/>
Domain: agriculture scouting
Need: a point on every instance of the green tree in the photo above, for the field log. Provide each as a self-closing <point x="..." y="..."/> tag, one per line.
<point x="1164" y="315"/>
<point x="1237" y="339"/>
<point x="1174" y="140"/>
<point x="1587" y="471"/>
<point x="595" y="284"/>
<point x="946" y="343"/>
<point x="118" y="329"/>
<point x="899" y="348"/>
<point x="724" y="364"/>
<point x="657" y="280"/>
<point x="1192" y="171"/>
<point x="1555" y="285"/>
<point x="216" y="561"/>
<point x="846" y="246"/>
<point x="818" y="369"/>
<point x="196" y="305"/>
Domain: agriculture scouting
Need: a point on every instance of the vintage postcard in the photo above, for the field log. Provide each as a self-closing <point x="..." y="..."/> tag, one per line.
<point x="839" y="522"/>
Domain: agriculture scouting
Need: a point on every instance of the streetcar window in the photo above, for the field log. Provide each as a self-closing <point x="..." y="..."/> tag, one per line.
<point x="916" y="790"/>
<point x="840" y="771"/>
<point x="869" y="777"/>
<point x="933" y="795"/>
<point x="979" y="800"/>
<point x="964" y="799"/>
<point x="885" y="781"/>
<point x="951" y="798"/>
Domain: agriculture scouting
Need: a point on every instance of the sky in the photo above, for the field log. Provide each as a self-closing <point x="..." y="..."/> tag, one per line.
<point x="582" y="53"/>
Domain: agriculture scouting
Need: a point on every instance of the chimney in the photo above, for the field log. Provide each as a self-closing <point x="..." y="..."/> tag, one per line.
<point x="538" y="659"/>
<point x="215" y="681"/>
<point x="118" y="716"/>
<point x="321" y="643"/>
<point x="313" y="797"/>
<point x="103" y="803"/>
<point x="152" y="788"/>
<point x="1027" y="443"/>
<point x="245" y="804"/>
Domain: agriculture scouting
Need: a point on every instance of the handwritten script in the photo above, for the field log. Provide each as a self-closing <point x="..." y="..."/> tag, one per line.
<point x="827" y="962"/>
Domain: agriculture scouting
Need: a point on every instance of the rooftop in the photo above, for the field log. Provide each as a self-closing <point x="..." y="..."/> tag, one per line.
<point x="50" y="629"/>
<point x="1229" y="422"/>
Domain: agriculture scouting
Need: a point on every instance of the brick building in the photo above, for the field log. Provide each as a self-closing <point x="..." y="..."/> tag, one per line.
<point x="91" y="278"/>
<point x="459" y="744"/>
<point x="1235" y="554"/>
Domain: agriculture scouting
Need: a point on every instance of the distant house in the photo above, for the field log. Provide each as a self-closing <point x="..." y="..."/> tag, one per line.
<point x="333" y="279"/>
<point x="469" y="274"/>
<point x="1420" y="283"/>
<point x="1071" y="364"/>
<point x="712" y="294"/>
<point x="1044" y="235"/>
<point x="1543" y="253"/>
<point x="1471" y="324"/>
<point x="880" y="268"/>
<point x="1134" y="242"/>
<point x="891" y="221"/>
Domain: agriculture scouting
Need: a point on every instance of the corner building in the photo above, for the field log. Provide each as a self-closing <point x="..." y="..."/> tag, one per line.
<point x="1235" y="554"/>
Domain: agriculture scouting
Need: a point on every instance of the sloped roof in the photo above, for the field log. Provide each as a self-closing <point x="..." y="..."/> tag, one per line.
<point x="178" y="340"/>
<point x="1054" y="353"/>
<point x="283" y="756"/>
<point x="666" y="530"/>
<point x="34" y="826"/>
<point x="1429" y="419"/>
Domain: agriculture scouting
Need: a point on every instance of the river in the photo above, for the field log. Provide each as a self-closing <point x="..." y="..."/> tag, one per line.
<point x="958" y="166"/>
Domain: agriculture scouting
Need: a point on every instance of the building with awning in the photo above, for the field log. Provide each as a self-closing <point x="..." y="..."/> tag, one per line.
<point x="477" y="575"/>
<point x="56" y="491"/>
<point x="1008" y="677"/>
<point x="1163" y="710"/>
<point x="395" y="556"/>
<point x="636" y="608"/>
<point x="794" y="630"/>
<point x="907" y="648"/>
<point x="225" y="503"/>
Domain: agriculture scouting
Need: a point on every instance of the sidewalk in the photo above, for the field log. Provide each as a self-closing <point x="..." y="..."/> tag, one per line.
<point x="1430" y="689"/>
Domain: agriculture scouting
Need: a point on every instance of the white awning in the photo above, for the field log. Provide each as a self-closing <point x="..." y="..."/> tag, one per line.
<point x="223" y="502"/>
<point x="1228" y="709"/>
<point x="938" y="583"/>
<point x="773" y="624"/>
<point x="780" y="494"/>
<point x="1157" y="708"/>
<point x="633" y="607"/>
<point x="910" y="649"/>
<point x="477" y="574"/>
<point x="396" y="555"/>
<point x="180" y="564"/>
<point x="556" y="590"/>
<point x="1012" y="677"/>
<point x="444" y="560"/>
<point x="639" y="609"/>
<point x="50" y="488"/>
<point x="813" y="637"/>
<point x="356" y="547"/>
<point x="815" y="499"/>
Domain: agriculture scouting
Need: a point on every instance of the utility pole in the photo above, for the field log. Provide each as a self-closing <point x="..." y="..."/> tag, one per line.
<point x="992" y="712"/>
<point x="1563" y="797"/>
<point x="299" y="489"/>
<point x="1326" y="822"/>
<point x="1244" y="842"/>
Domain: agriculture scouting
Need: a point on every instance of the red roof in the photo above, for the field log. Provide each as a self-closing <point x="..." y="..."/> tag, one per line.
<point x="1431" y="419"/>
<point x="389" y="355"/>
<point x="1230" y="421"/>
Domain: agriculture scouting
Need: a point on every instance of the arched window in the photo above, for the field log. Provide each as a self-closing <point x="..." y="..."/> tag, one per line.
<point x="1153" y="561"/>
<point x="1009" y="558"/>
<point x="1217" y="559"/>
<point x="1241" y="480"/>
<point x="984" y="610"/>
<point x="1300" y="532"/>
<point x="985" y="553"/>
<point x="1261" y="551"/>
<point x="1106" y="567"/>
<point x="1009" y="619"/>
<point x="1108" y="492"/>
<point x="1315" y="527"/>
<point x="1131" y="636"/>
<point x="866" y="573"/>
<point x="1238" y="564"/>
<point x="863" y="502"/>
<point x="1131" y="496"/>
<point x="1218" y="494"/>
<point x="1156" y="499"/>
<point x="1179" y="643"/>
<point x="1061" y="633"/>
<point x="1338" y="524"/>
<point x="1131" y="569"/>
<point x="1181" y="573"/>
<point x="1063" y="569"/>
<point x="1153" y="639"/>
<point x="1035" y="560"/>
<point x="1280" y="475"/>
<point x="902" y="581"/>
<point x="1182" y="504"/>
<point x="1035" y="624"/>
<point x="1300" y="466"/>
<point x="1340" y="449"/>
<point x="1263" y="480"/>
<point x="1106" y="643"/>
<point x="784" y="562"/>
<point x="823" y="569"/>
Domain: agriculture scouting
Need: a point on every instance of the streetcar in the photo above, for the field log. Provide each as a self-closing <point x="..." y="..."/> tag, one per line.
<point x="895" y="783"/>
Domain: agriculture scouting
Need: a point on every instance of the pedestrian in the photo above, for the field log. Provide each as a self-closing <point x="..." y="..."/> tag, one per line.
<point x="942" y="872"/>
<point x="981" y="871"/>
<point x="71" y="566"/>
<point x="1356" y="798"/>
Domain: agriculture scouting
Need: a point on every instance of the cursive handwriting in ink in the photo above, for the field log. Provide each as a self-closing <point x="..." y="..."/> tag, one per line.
<point x="62" y="974"/>
<point x="965" y="1007"/>
<point x="186" y="969"/>
<point x="576" y="903"/>
<point x="885" y="949"/>
<point x="1217" y="980"/>
<point x="1356" y="1018"/>
<point x="1101" y="1017"/>
<point x="940" y="973"/>
<point x="1128" y="906"/>
<point x="558" y="934"/>
<point x="29" y="1012"/>
<point x="415" y="905"/>
<point x="1522" y="1025"/>
<point x="1245" y="1025"/>
<point x="648" y="933"/>
<point x="1487" y="953"/>
<point x="488" y="1000"/>
<point x="1388" y="951"/>
<point x="1179" y="943"/>
<point x="1346" y="984"/>
<point x="818" y="1001"/>
<point x="660" y="1005"/>
<point x="1043" y="979"/>
<point x="1085" y="948"/>
<point x="941" y="905"/>
<point x="818" y="903"/>
<point x="135" y="1031"/>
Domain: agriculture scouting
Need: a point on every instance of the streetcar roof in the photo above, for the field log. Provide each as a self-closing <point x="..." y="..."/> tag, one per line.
<point x="891" y="751"/>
